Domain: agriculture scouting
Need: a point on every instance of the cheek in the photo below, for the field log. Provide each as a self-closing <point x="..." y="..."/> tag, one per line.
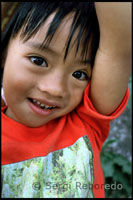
<point x="76" y="97"/>
<point x="15" y="83"/>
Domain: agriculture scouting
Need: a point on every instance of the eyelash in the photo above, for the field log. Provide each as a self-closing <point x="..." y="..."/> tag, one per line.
<point x="78" y="74"/>
<point x="39" y="58"/>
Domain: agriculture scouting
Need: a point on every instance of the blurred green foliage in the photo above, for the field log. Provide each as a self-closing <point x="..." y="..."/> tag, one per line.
<point x="116" y="167"/>
<point x="117" y="172"/>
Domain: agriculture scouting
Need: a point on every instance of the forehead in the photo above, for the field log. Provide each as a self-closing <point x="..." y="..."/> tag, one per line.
<point x="61" y="35"/>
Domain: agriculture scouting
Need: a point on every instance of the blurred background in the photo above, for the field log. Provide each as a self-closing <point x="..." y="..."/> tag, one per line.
<point x="116" y="155"/>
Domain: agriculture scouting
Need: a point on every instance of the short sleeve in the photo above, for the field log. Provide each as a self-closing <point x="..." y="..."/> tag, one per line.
<point x="92" y="111"/>
<point x="98" y="125"/>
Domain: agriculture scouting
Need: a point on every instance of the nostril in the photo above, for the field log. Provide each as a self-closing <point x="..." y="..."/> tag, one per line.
<point x="54" y="84"/>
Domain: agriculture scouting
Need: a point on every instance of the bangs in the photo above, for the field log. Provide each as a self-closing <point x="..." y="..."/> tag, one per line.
<point x="31" y="15"/>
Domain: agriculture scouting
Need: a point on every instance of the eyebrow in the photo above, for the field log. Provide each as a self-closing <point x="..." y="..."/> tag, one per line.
<point x="39" y="46"/>
<point x="43" y="47"/>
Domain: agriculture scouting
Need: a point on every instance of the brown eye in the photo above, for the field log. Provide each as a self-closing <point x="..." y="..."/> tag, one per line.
<point x="80" y="75"/>
<point x="38" y="61"/>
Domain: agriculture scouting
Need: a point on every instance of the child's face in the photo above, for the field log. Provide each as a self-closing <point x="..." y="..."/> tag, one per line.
<point x="32" y="74"/>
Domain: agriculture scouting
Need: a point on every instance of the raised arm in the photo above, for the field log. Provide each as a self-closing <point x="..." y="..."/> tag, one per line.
<point x="112" y="65"/>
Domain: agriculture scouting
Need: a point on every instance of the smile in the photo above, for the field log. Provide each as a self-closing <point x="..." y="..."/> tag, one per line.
<point x="43" y="106"/>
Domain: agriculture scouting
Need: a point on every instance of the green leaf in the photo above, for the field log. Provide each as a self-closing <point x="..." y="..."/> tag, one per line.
<point x="108" y="169"/>
<point x="122" y="179"/>
<point x="108" y="142"/>
<point x="119" y="160"/>
<point x="127" y="168"/>
<point x="123" y="162"/>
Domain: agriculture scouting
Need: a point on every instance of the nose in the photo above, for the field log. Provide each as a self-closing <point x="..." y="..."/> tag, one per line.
<point x="54" y="84"/>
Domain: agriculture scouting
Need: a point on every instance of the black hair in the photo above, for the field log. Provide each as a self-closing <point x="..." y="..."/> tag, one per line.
<point x="31" y="15"/>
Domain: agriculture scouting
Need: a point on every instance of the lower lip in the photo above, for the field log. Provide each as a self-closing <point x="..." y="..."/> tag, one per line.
<point x="40" y="111"/>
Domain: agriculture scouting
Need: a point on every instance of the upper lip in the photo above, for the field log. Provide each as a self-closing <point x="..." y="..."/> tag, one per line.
<point x="47" y="102"/>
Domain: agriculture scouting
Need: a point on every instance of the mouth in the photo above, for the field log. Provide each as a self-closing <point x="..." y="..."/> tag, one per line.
<point x="42" y="105"/>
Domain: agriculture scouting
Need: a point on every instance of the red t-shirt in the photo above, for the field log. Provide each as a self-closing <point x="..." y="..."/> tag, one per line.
<point x="59" y="159"/>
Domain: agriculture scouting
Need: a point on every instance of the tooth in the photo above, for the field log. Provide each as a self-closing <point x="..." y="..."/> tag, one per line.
<point x="42" y="105"/>
<point x="34" y="100"/>
<point x="47" y="106"/>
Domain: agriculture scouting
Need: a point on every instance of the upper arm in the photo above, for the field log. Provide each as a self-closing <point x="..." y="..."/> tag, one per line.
<point x="109" y="82"/>
<point x="112" y="64"/>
